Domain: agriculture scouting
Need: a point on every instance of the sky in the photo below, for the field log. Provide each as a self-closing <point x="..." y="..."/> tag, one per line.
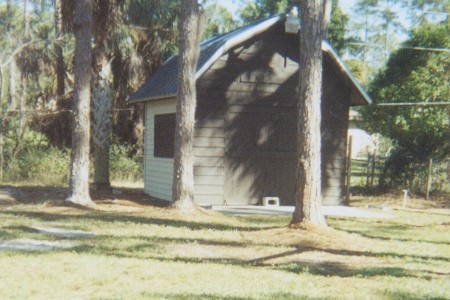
<point x="233" y="5"/>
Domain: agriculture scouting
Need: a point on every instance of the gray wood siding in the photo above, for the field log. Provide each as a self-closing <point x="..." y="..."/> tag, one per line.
<point x="335" y="115"/>
<point x="208" y="161"/>
<point x="250" y="94"/>
<point x="209" y="151"/>
<point x="246" y="127"/>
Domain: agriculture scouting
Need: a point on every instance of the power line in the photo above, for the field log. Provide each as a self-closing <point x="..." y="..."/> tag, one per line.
<point x="51" y="112"/>
<point x="437" y="103"/>
<point x="411" y="48"/>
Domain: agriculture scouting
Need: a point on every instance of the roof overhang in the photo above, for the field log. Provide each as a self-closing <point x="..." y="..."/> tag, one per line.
<point x="237" y="40"/>
<point x="358" y="95"/>
<point x="156" y="98"/>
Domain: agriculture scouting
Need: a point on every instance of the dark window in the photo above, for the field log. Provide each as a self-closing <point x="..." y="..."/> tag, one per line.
<point x="164" y="135"/>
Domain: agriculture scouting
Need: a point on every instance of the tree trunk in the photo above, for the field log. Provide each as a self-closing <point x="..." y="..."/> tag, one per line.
<point x="26" y="20"/>
<point x="60" y="68"/>
<point x="14" y="87"/>
<point x="102" y="126"/>
<point x="4" y="95"/>
<point x="183" y="179"/>
<point x="308" y="190"/>
<point x="79" y="171"/>
<point x="102" y="93"/>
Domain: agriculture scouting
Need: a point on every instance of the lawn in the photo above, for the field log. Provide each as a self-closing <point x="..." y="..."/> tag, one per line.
<point x="138" y="251"/>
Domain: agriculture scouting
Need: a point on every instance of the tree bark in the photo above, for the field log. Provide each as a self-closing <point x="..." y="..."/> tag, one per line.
<point x="102" y="125"/>
<point x="104" y="15"/>
<point x="60" y="68"/>
<point x="79" y="171"/>
<point x="308" y="190"/>
<point x="183" y="179"/>
<point x="4" y="95"/>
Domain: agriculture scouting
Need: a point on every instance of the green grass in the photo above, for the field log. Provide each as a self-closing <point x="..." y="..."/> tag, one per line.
<point x="143" y="252"/>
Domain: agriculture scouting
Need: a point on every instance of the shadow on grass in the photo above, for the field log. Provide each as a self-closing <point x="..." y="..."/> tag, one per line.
<point x="407" y="295"/>
<point x="154" y="249"/>
<point x="5" y="235"/>
<point x="382" y="238"/>
<point x="120" y="217"/>
<point x="349" y="253"/>
<point x="342" y="270"/>
<point x="285" y="296"/>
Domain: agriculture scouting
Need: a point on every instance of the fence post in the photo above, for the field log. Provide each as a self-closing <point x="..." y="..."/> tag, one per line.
<point x="368" y="170"/>
<point x="429" y="179"/>
<point x="373" y="170"/>
<point x="349" y="170"/>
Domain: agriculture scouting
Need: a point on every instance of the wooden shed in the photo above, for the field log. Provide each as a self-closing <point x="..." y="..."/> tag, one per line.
<point x="245" y="136"/>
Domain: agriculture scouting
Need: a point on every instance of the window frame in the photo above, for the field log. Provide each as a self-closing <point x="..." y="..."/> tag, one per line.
<point x="164" y="135"/>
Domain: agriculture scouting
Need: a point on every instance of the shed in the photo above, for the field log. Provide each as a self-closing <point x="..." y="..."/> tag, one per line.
<point x="246" y="121"/>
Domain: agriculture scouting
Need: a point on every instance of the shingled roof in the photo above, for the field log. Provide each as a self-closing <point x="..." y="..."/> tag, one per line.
<point x="163" y="84"/>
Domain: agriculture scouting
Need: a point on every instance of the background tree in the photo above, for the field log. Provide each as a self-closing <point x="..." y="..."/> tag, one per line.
<point x="79" y="170"/>
<point x="190" y="34"/>
<point x="413" y="74"/>
<point x="218" y="20"/>
<point x="106" y="15"/>
<point x="308" y="195"/>
<point x="337" y="28"/>
<point x="252" y="11"/>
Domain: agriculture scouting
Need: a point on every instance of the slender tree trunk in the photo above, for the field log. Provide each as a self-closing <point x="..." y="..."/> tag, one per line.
<point x="79" y="170"/>
<point x="448" y="143"/>
<point x="26" y="20"/>
<point x="308" y="190"/>
<point x="60" y="68"/>
<point x="14" y="87"/>
<point x="183" y="180"/>
<point x="4" y="94"/>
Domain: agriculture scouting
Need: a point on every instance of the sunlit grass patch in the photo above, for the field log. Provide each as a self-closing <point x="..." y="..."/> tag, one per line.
<point x="145" y="252"/>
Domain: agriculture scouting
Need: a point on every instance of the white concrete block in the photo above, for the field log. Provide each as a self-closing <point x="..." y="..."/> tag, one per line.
<point x="271" y="201"/>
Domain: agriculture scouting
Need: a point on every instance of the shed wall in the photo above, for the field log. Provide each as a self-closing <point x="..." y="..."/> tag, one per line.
<point x="245" y="136"/>
<point x="254" y="89"/>
<point x="208" y="161"/>
<point x="158" y="172"/>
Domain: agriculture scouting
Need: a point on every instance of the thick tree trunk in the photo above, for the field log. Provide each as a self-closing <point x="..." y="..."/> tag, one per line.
<point x="183" y="180"/>
<point x="79" y="171"/>
<point x="102" y="93"/>
<point x="308" y="190"/>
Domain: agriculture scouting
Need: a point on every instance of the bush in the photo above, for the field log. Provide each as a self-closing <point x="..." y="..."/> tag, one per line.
<point x="40" y="165"/>
<point x="124" y="166"/>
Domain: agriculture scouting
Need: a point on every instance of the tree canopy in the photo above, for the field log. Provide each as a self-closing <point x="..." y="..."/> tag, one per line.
<point x="413" y="74"/>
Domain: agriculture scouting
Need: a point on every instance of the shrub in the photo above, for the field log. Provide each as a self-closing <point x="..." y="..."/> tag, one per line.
<point x="124" y="165"/>
<point x="40" y="165"/>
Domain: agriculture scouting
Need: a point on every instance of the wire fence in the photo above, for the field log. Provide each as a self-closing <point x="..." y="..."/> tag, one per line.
<point x="370" y="175"/>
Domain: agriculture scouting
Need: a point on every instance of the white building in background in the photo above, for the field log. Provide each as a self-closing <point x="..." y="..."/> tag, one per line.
<point x="363" y="143"/>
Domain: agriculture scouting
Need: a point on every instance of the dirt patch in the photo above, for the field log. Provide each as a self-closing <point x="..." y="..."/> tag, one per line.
<point x="396" y="201"/>
<point x="115" y="199"/>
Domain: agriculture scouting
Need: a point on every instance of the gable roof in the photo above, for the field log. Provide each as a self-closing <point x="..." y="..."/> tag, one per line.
<point x="163" y="84"/>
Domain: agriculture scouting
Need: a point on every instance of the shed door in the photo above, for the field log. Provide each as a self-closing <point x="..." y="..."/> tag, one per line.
<point x="260" y="157"/>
